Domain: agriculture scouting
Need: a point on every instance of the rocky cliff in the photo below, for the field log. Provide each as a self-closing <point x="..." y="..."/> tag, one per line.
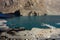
<point x="26" y="7"/>
<point x="29" y="7"/>
<point x="53" y="7"/>
<point x="8" y="6"/>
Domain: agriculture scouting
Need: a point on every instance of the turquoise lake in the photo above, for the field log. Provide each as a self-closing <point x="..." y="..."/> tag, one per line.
<point x="33" y="21"/>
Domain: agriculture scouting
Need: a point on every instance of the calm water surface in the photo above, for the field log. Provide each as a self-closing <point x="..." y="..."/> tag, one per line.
<point x="33" y="21"/>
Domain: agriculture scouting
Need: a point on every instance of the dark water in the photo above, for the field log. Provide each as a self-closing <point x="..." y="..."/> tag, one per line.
<point x="34" y="21"/>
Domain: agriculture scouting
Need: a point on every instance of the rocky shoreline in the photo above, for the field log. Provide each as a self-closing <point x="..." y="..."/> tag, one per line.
<point x="33" y="34"/>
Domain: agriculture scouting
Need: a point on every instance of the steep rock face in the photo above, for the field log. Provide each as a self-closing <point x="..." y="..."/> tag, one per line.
<point x="37" y="6"/>
<point x="41" y="7"/>
<point x="53" y="7"/>
<point x="25" y="6"/>
<point x="8" y="5"/>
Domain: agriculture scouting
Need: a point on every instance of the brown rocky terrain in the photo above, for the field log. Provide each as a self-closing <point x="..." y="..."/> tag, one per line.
<point x="28" y="7"/>
<point x="8" y="5"/>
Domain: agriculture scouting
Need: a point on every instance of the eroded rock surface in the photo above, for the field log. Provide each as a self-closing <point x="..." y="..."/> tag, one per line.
<point x="53" y="7"/>
<point x="41" y="7"/>
<point x="8" y="5"/>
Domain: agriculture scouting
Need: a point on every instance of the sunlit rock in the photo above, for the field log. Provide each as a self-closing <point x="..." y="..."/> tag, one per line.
<point x="41" y="7"/>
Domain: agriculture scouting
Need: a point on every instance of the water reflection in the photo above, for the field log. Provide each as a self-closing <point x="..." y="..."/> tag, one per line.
<point x="33" y="21"/>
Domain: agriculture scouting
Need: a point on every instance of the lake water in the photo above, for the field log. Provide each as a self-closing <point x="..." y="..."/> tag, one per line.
<point x="33" y="21"/>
